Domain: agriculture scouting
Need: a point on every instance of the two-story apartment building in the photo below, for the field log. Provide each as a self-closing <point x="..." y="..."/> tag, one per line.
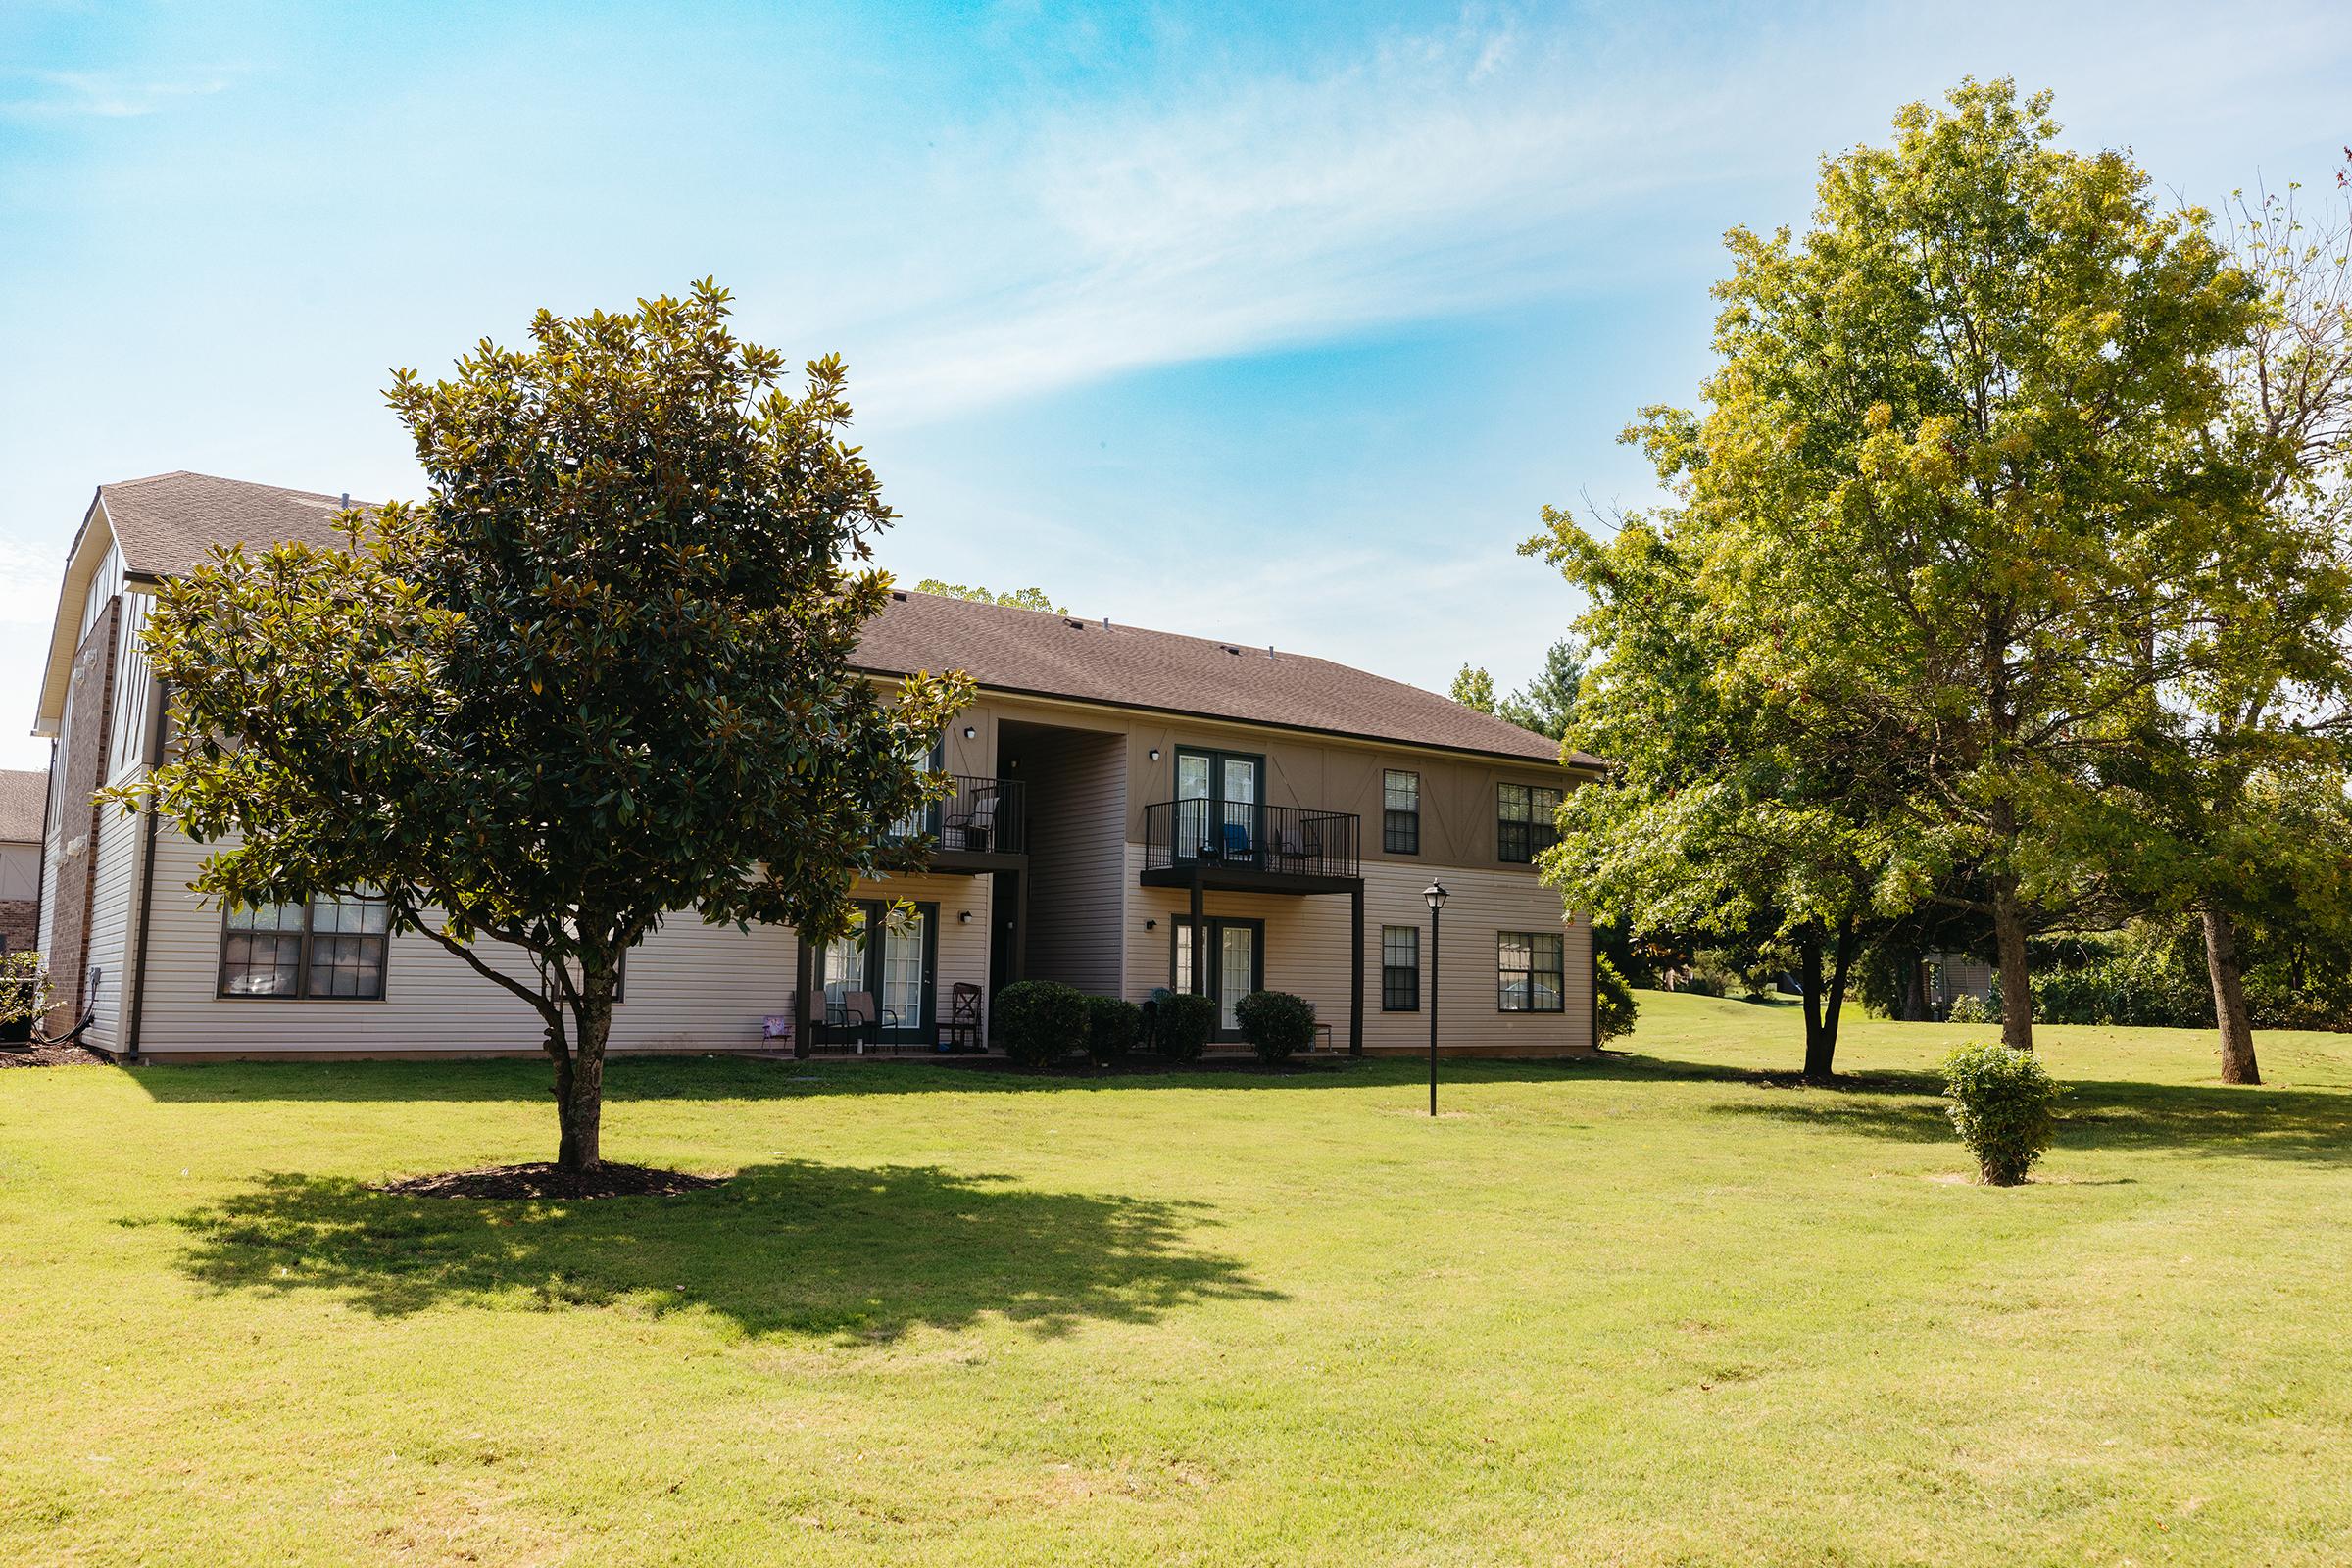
<point x="1133" y="809"/>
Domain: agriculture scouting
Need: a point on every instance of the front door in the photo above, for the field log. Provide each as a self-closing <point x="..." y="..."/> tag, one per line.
<point x="1237" y="965"/>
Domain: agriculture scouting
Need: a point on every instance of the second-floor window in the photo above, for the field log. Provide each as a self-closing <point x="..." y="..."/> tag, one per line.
<point x="328" y="948"/>
<point x="1399" y="968"/>
<point x="1400" y="812"/>
<point x="1527" y="821"/>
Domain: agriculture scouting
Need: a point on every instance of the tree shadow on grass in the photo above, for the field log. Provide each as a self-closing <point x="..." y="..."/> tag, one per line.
<point x="717" y="1078"/>
<point x="2207" y="1122"/>
<point x="793" y="1247"/>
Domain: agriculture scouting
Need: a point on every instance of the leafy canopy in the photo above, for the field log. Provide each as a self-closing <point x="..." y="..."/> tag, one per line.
<point x="599" y="674"/>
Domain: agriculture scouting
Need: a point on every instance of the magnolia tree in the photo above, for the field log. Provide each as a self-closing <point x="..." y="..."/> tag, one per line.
<point x="599" y="674"/>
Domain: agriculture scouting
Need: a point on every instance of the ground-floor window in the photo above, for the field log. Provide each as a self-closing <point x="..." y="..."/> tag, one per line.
<point x="1236" y="964"/>
<point x="1399" y="968"/>
<point x="892" y="955"/>
<point x="1531" y="971"/>
<point x="332" y="947"/>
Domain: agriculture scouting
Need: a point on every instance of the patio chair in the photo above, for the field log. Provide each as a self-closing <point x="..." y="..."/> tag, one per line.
<point x="1236" y="840"/>
<point x="977" y="821"/>
<point x="856" y="1019"/>
<point x="961" y="1030"/>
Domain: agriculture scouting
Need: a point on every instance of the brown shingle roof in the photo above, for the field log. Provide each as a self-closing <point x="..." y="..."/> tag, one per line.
<point x="24" y="798"/>
<point x="1128" y="667"/>
<point x="166" y="522"/>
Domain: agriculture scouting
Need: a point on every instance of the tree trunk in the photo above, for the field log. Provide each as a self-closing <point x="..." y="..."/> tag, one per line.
<point x="2017" y="986"/>
<point x="581" y="1087"/>
<point x="1820" y="1042"/>
<point x="2230" y="1000"/>
<point x="1915" y="990"/>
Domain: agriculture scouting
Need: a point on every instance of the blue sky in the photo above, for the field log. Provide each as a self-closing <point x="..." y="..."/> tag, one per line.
<point x="1263" y="324"/>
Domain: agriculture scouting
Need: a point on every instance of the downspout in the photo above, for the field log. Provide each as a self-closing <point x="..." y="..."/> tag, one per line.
<point x="40" y="879"/>
<point x="155" y="817"/>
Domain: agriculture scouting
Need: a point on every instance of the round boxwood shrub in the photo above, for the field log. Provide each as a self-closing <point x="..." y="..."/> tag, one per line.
<point x="1276" y="1023"/>
<point x="1039" y="1021"/>
<point x="1617" y="1009"/>
<point x="1183" y="1025"/>
<point x="1112" y="1025"/>
<point x="2003" y="1102"/>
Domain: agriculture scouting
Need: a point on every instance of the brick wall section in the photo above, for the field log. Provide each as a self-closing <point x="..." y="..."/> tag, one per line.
<point x="19" y="923"/>
<point x="83" y="754"/>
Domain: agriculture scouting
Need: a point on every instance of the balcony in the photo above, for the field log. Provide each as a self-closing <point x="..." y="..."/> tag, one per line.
<point x="984" y="826"/>
<point x="1244" y="846"/>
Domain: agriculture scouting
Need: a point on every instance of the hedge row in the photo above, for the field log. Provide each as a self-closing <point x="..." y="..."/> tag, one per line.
<point x="1039" y="1022"/>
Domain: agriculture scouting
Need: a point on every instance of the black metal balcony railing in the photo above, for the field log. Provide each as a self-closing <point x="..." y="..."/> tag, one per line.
<point x="983" y="815"/>
<point x="1300" y="841"/>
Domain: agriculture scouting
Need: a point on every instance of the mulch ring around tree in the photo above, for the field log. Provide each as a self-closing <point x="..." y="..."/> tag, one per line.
<point x="542" y="1179"/>
<point x="14" y="1054"/>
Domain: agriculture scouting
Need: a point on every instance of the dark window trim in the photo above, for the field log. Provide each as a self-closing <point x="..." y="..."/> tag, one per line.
<point x="302" y="970"/>
<point x="1399" y="829"/>
<point x="871" y="955"/>
<point x="1216" y="756"/>
<point x="1518" y="843"/>
<point x="1215" y="958"/>
<point x="1534" y="1002"/>
<point x="1412" y="976"/>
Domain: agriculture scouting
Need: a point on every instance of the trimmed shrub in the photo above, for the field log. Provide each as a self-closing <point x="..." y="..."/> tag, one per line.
<point x="2003" y="1102"/>
<point x="1972" y="1008"/>
<point x="1040" y="1021"/>
<point x="1111" y="1026"/>
<point x="1617" y="1009"/>
<point x="1277" y="1023"/>
<point x="1183" y="1025"/>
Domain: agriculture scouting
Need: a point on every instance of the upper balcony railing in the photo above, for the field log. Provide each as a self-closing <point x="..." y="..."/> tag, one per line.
<point x="984" y="816"/>
<point x="1246" y="835"/>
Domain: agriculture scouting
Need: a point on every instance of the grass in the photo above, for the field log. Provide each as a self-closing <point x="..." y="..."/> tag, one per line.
<point x="1668" y="1309"/>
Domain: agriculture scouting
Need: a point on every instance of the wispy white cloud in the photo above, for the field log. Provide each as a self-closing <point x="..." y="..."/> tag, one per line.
<point x="109" y="94"/>
<point x="1426" y="179"/>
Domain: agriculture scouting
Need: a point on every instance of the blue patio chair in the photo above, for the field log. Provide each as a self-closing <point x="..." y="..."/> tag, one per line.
<point x="1236" y="840"/>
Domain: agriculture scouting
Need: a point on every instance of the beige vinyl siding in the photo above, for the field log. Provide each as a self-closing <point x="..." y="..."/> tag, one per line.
<point x="1079" y="876"/>
<point x="19" y="871"/>
<point x="117" y="865"/>
<point x="690" y="986"/>
<point x="1306" y="952"/>
<point x="133" y="724"/>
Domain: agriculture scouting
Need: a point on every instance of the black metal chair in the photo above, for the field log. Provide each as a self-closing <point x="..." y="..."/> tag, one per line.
<point x="962" y="1029"/>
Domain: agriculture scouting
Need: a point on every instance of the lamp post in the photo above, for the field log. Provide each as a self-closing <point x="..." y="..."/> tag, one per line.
<point x="1435" y="893"/>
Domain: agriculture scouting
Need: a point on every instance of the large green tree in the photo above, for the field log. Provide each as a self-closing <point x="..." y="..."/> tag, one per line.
<point x="599" y="675"/>
<point x="1731" y="809"/>
<point x="2228" y="808"/>
<point x="1958" y="476"/>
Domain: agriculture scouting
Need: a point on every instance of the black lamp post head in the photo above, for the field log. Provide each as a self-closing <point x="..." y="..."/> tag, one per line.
<point x="1435" y="893"/>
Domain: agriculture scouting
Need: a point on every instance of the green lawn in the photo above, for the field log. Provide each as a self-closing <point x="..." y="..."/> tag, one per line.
<point x="1659" y="1310"/>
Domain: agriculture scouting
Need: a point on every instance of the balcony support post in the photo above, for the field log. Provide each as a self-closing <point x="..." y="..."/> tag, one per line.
<point x="1355" y="990"/>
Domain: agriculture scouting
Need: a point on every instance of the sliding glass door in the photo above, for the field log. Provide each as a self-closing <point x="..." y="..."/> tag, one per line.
<point x="893" y="958"/>
<point x="1220" y="794"/>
